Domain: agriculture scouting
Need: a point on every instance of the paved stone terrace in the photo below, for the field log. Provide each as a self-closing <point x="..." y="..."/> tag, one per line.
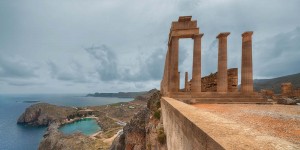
<point x="277" y="123"/>
<point x="235" y="126"/>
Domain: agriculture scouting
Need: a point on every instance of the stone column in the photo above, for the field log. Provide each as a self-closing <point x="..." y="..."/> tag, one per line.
<point x="222" y="82"/>
<point x="247" y="74"/>
<point x="174" y="65"/>
<point x="186" y="81"/>
<point x="196" y="74"/>
<point x="178" y="81"/>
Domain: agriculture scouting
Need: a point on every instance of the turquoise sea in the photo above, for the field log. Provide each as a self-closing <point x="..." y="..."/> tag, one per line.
<point x="87" y="126"/>
<point x="17" y="137"/>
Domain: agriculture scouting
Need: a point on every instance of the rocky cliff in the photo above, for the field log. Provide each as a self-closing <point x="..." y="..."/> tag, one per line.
<point x="43" y="114"/>
<point x="145" y="130"/>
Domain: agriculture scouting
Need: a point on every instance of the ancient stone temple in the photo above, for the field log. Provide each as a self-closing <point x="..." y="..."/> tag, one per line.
<point x="218" y="87"/>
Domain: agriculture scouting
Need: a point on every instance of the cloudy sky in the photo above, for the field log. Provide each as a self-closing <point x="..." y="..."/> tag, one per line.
<point x="83" y="46"/>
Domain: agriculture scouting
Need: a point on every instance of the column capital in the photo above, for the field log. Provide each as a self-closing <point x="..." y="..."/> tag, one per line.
<point x="247" y="33"/>
<point x="198" y="35"/>
<point x="223" y="34"/>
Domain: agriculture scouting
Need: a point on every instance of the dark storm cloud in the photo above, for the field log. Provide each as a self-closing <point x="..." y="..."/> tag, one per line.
<point x="15" y="67"/>
<point x="106" y="62"/>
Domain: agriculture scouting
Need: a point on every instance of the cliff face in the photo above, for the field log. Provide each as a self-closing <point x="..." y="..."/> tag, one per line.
<point x="143" y="131"/>
<point x="42" y="114"/>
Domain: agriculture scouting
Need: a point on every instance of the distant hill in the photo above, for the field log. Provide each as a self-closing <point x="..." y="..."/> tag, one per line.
<point x="275" y="83"/>
<point x="119" y="95"/>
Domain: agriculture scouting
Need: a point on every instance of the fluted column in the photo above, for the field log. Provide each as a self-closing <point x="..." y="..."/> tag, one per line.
<point x="247" y="74"/>
<point x="222" y="82"/>
<point x="196" y="74"/>
<point x="178" y="81"/>
<point x="174" y="65"/>
<point x="186" y="81"/>
<point x="168" y="60"/>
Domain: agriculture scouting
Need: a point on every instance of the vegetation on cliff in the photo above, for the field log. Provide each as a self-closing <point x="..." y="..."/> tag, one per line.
<point x="145" y="129"/>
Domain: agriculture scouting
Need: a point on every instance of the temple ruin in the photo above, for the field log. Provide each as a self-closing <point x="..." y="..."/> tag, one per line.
<point x="287" y="90"/>
<point x="218" y="87"/>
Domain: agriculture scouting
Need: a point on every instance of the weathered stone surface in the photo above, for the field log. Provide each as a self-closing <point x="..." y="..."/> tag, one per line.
<point x="196" y="76"/>
<point x="42" y="114"/>
<point x="222" y="63"/>
<point x="267" y="93"/>
<point x="247" y="68"/>
<point x="286" y="89"/>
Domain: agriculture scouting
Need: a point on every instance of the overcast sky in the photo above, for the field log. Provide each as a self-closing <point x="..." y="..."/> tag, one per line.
<point x="85" y="46"/>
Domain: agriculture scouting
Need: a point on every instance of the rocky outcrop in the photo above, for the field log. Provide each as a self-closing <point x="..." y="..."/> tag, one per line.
<point x="288" y="101"/>
<point x="141" y="132"/>
<point x="43" y="114"/>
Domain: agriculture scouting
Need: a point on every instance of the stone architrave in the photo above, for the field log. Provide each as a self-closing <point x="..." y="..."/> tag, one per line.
<point x="196" y="74"/>
<point x="222" y="81"/>
<point x="247" y="72"/>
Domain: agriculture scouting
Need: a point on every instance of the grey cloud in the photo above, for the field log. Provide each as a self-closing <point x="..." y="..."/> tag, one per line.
<point x="106" y="62"/>
<point x="147" y="67"/>
<point x="16" y="67"/>
<point x="24" y="83"/>
<point x="43" y="33"/>
<point x="72" y="72"/>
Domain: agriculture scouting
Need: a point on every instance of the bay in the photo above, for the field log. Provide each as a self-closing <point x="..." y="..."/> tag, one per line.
<point x="16" y="137"/>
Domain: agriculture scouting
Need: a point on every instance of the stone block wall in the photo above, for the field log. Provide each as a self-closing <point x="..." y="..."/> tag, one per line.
<point x="267" y="93"/>
<point x="296" y="92"/>
<point x="286" y="89"/>
<point x="209" y="83"/>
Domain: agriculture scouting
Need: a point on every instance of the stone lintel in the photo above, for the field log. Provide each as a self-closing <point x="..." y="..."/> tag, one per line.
<point x="184" y="18"/>
<point x="247" y="33"/>
<point x="223" y="34"/>
<point x="187" y="33"/>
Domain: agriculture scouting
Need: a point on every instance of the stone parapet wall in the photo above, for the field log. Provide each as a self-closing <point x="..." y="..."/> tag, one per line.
<point x="183" y="133"/>
<point x="188" y="127"/>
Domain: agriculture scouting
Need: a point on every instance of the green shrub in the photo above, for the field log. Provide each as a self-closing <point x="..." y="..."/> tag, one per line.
<point x="161" y="136"/>
<point x="157" y="114"/>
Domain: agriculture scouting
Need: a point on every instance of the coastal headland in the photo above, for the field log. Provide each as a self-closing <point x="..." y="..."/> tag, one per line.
<point x="111" y="118"/>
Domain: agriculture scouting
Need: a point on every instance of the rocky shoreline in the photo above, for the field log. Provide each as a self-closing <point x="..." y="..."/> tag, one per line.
<point x="111" y="118"/>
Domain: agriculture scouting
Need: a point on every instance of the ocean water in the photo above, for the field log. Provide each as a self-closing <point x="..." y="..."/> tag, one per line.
<point x="87" y="126"/>
<point x="18" y="137"/>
